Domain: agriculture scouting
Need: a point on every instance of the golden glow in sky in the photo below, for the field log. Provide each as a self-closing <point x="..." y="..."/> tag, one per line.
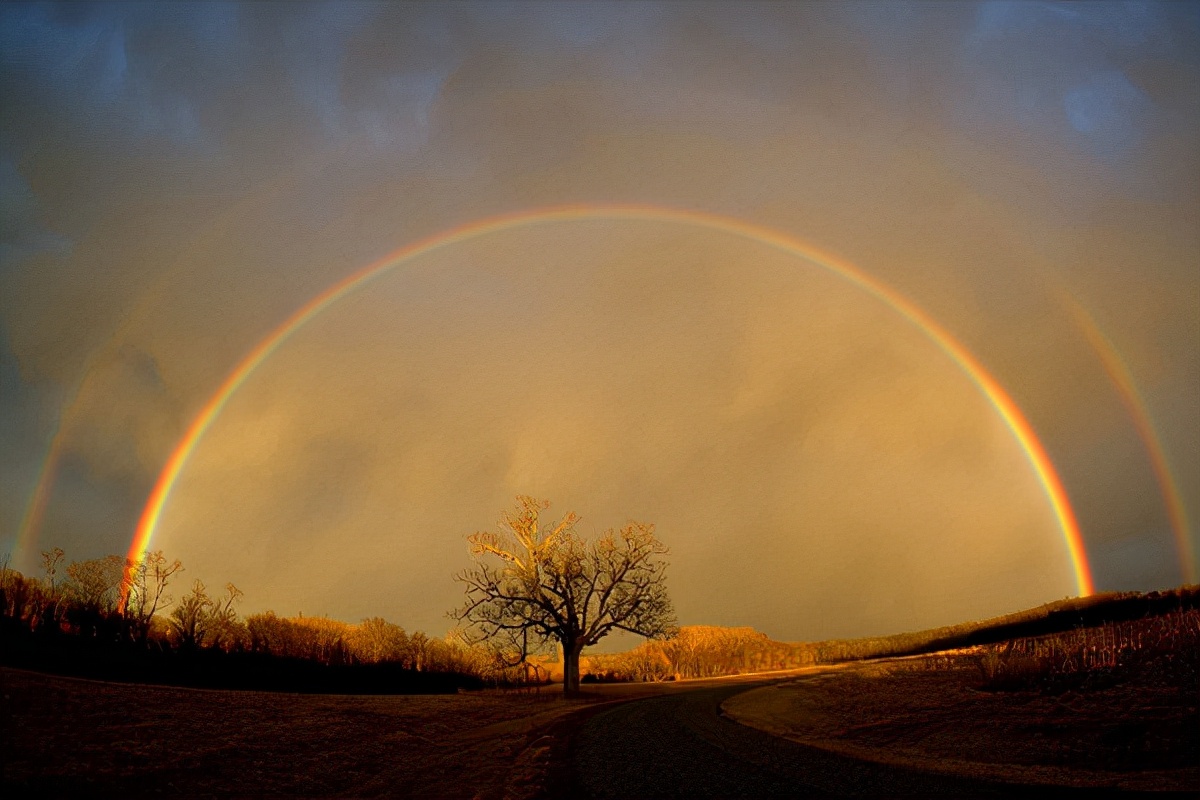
<point x="651" y="380"/>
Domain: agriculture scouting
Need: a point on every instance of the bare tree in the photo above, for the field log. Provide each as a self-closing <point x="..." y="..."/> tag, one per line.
<point x="146" y="589"/>
<point x="535" y="586"/>
<point x="375" y="640"/>
<point x="50" y="562"/>
<point x="96" y="583"/>
<point x="221" y="622"/>
<point x="188" y="617"/>
<point x="200" y="619"/>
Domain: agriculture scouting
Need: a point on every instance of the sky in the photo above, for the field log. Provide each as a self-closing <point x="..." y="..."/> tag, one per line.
<point x="177" y="180"/>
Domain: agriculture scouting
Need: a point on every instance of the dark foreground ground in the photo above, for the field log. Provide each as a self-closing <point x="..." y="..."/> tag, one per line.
<point x="68" y="737"/>
<point x="77" y="738"/>
<point x="680" y="745"/>
<point x="1139" y="734"/>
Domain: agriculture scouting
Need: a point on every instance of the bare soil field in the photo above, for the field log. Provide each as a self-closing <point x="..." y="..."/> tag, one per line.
<point x="905" y="714"/>
<point x="71" y="737"/>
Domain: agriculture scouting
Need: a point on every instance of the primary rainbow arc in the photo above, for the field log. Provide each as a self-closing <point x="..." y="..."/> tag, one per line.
<point x="997" y="396"/>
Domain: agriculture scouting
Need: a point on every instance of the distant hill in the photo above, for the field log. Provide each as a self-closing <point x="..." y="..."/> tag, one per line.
<point x="1055" y="617"/>
<point x="700" y="651"/>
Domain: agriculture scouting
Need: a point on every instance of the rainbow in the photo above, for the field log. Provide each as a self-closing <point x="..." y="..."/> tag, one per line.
<point x="35" y="509"/>
<point x="991" y="388"/>
<point x="1131" y="398"/>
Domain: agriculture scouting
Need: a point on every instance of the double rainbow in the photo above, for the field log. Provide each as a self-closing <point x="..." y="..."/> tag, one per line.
<point x="994" y="392"/>
<point x="35" y="509"/>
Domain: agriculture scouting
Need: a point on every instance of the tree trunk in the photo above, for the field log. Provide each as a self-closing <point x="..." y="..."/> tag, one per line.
<point x="571" y="651"/>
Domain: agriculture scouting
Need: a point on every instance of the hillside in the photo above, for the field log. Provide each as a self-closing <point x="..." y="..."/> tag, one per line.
<point x="702" y="651"/>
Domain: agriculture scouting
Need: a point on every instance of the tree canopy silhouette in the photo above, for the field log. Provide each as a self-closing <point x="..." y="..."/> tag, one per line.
<point x="535" y="585"/>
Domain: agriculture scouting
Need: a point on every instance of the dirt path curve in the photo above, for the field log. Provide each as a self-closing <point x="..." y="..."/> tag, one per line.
<point x="679" y="745"/>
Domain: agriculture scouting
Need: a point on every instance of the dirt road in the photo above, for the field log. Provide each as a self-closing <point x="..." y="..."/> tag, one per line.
<point x="679" y="745"/>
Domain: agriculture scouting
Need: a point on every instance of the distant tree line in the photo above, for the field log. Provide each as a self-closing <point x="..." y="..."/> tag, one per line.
<point x="1162" y="649"/>
<point x="1069" y="614"/>
<point x="83" y="598"/>
<point x="700" y="651"/>
<point x="72" y="620"/>
<point x="116" y="619"/>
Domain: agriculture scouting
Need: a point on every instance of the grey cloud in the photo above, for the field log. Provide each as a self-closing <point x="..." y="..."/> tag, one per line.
<point x="21" y="233"/>
<point x="1108" y="110"/>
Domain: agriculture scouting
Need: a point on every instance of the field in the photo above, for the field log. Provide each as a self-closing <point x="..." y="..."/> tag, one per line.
<point x="74" y="737"/>
<point x="930" y="714"/>
<point x="1109" y="706"/>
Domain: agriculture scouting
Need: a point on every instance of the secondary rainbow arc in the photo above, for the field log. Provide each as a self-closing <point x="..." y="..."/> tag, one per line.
<point x="1119" y="374"/>
<point x="35" y="510"/>
<point x="991" y="388"/>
